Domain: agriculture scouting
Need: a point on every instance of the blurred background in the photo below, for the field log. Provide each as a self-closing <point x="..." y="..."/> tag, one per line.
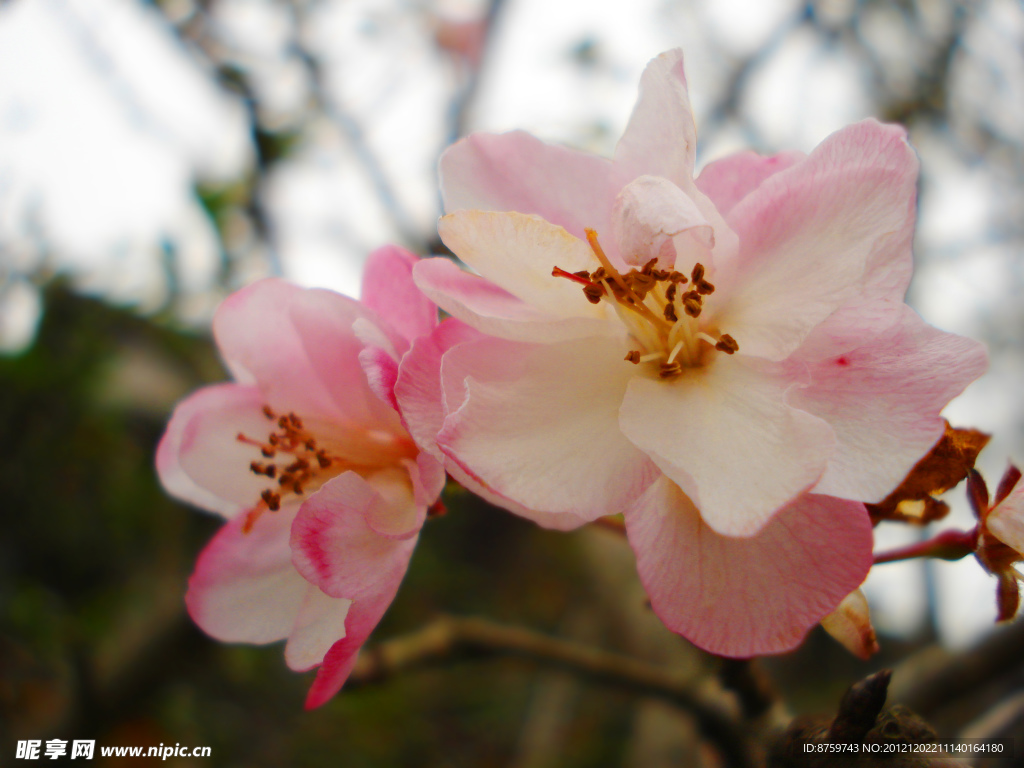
<point x="155" y="156"/>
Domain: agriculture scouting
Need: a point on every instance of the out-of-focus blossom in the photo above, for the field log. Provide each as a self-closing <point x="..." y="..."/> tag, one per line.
<point x="1000" y="545"/>
<point x="850" y="624"/>
<point x="726" y="360"/>
<point x="304" y="453"/>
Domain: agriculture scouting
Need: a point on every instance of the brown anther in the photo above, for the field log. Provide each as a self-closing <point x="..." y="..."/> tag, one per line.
<point x="273" y="439"/>
<point x="670" y="292"/>
<point x="282" y="422"/>
<point x="648" y="268"/>
<point x="698" y="272"/>
<point x="582" y="273"/>
<point x="668" y="370"/>
<point x="599" y="274"/>
<point x="594" y="292"/>
<point x="297" y="466"/>
<point x="256" y="467"/>
<point x="641" y="283"/>
<point x="670" y="312"/>
<point x="285" y="480"/>
<point x="692" y="303"/>
<point x="323" y="459"/>
<point x="727" y="344"/>
<point x="661" y="274"/>
<point x="703" y="287"/>
<point x="295" y="420"/>
<point x="268" y="412"/>
<point x="633" y="357"/>
<point x="297" y="488"/>
<point x="676" y="277"/>
<point x="271" y="499"/>
<point x="310" y="444"/>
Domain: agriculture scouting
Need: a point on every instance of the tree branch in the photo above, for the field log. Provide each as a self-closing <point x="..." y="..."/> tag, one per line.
<point x="450" y="638"/>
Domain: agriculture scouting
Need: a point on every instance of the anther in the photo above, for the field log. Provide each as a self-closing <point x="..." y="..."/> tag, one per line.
<point x="323" y="459"/>
<point x="692" y="303"/>
<point x="668" y="370"/>
<point x="271" y="499"/>
<point x="310" y="444"/>
<point x="648" y="268"/>
<point x="633" y="357"/>
<point x="698" y="272"/>
<point x="594" y="292"/>
<point x="670" y="292"/>
<point x="703" y="287"/>
<point x="670" y="312"/>
<point x="268" y="412"/>
<point x="727" y="344"/>
<point x="676" y="277"/>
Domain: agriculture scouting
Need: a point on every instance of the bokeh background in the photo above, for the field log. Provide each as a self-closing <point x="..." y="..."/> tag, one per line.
<point x="155" y="156"/>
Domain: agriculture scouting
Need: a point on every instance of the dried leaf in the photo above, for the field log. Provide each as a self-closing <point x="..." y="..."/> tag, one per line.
<point x="944" y="467"/>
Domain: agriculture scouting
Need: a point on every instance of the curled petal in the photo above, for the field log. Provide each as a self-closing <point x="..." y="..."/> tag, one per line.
<point x="729" y="180"/>
<point x="1006" y="520"/>
<point x="850" y="624"/>
<point x="747" y="596"/>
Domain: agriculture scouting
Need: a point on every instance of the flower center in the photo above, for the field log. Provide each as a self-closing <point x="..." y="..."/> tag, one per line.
<point x="661" y="315"/>
<point x="300" y="465"/>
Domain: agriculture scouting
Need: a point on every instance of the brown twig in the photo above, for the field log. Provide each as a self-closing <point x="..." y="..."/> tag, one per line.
<point x="450" y="638"/>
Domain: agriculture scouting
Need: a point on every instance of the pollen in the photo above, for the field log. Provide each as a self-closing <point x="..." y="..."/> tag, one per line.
<point x="669" y="326"/>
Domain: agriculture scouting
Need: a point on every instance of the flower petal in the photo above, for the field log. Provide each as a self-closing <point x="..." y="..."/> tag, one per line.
<point x="319" y="624"/>
<point x="336" y="549"/>
<point x="882" y="391"/>
<point x="660" y="138"/>
<point x="1006" y="520"/>
<point x="418" y="388"/>
<point x="518" y="252"/>
<point x="381" y="371"/>
<point x="516" y="172"/>
<point x="813" y="237"/>
<point x="538" y="424"/>
<point x="727" y="436"/>
<point x="649" y="214"/>
<point x="388" y="289"/>
<point x="745" y="597"/>
<point x="850" y="624"/>
<point x="201" y="461"/>
<point x="244" y="587"/>
<point x="495" y="311"/>
<point x="727" y="181"/>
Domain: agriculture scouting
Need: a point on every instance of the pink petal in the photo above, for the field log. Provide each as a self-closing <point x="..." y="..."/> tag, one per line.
<point x="336" y="548"/>
<point x="200" y="459"/>
<point x="381" y="371"/>
<point x="516" y="172"/>
<point x="319" y="624"/>
<point x="660" y="138"/>
<point x="729" y="180"/>
<point x="493" y="310"/>
<point x="816" y="236"/>
<point x="518" y="252"/>
<point x="653" y="219"/>
<point x="244" y="587"/>
<point x="388" y="289"/>
<point x="1006" y="521"/>
<point x="727" y="436"/>
<point x="745" y="597"/>
<point x="881" y="392"/>
<point x="418" y="389"/>
<point x="538" y="424"/>
<point x="299" y="347"/>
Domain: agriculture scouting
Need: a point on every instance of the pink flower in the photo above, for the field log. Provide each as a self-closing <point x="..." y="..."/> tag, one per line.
<point x="728" y="361"/>
<point x="306" y="456"/>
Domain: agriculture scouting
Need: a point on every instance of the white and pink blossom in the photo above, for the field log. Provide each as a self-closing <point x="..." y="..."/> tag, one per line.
<point x="725" y="360"/>
<point x="306" y="456"/>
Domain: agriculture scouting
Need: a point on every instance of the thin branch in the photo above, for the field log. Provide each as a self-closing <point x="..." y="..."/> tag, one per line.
<point x="450" y="638"/>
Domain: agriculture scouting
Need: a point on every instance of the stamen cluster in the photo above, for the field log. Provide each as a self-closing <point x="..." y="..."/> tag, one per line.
<point x="292" y="439"/>
<point x="655" y="295"/>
